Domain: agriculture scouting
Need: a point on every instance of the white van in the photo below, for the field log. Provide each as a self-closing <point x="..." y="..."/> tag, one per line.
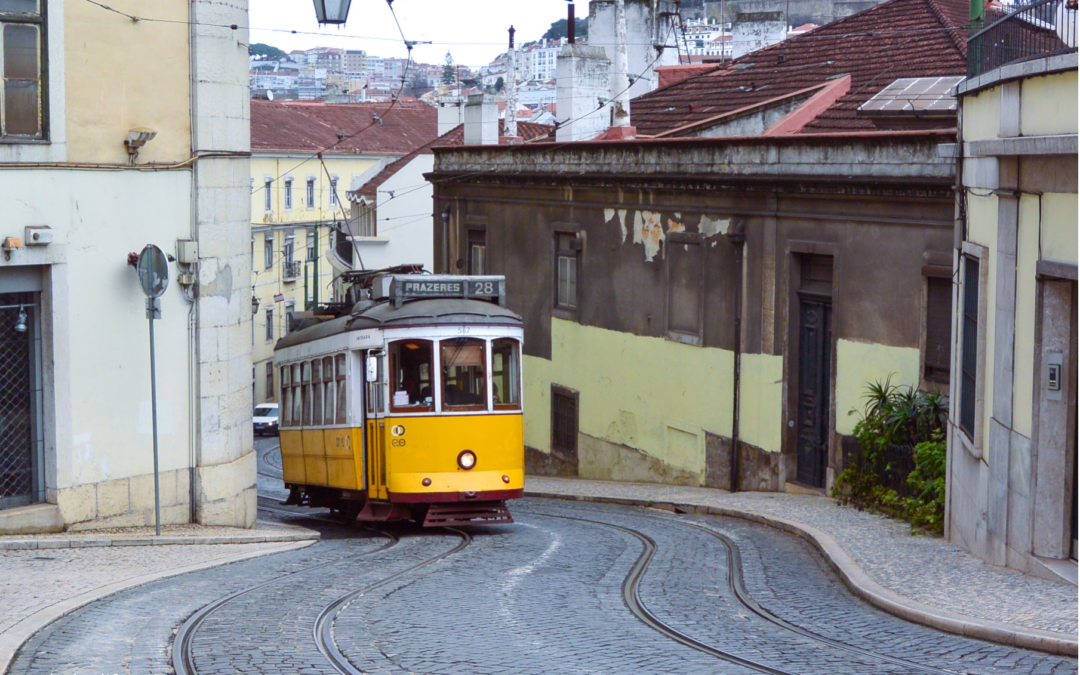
<point x="266" y="419"/>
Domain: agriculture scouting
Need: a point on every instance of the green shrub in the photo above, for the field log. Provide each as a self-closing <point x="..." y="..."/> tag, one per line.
<point x="899" y="425"/>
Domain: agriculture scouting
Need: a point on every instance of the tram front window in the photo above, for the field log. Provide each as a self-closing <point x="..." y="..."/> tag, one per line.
<point x="505" y="374"/>
<point x="464" y="382"/>
<point x="410" y="361"/>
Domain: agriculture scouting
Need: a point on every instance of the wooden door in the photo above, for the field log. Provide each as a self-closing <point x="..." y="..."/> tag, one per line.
<point x="815" y="348"/>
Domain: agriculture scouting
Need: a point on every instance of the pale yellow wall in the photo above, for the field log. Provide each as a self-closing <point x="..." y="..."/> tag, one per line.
<point x="1027" y="254"/>
<point x="122" y="74"/>
<point x="761" y="404"/>
<point x="300" y="167"/>
<point x="982" y="115"/>
<point x="643" y="392"/>
<point x="1059" y="227"/>
<point x="859" y="364"/>
<point x="1048" y="105"/>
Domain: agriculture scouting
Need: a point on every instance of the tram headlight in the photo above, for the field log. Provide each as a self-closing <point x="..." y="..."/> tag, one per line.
<point x="466" y="459"/>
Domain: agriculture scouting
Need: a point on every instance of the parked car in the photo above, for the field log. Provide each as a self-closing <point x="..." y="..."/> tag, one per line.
<point x="266" y="419"/>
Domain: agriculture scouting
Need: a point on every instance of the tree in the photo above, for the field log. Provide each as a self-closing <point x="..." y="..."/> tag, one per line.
<point x="266" y="51"/>
<point x="558" y="29"/>
<point x="448" y="75"/>
<point x="499" y="84"/>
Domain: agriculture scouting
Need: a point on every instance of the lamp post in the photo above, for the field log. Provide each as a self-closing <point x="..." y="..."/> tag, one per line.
<point x="332" y="11"/>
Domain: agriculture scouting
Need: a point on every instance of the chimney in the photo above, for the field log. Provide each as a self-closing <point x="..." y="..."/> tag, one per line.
<point x="481" y="120"/>
<point x="620" y="83"/>
<point x="582" y="81"/>
<point x="571" y="24"/>
<point x="652" y="30"/>
<point x="510" y="120"/>
<point x="451" y="113"/>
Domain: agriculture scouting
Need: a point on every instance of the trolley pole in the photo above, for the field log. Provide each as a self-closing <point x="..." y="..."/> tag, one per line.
<point x="153" y="310"/>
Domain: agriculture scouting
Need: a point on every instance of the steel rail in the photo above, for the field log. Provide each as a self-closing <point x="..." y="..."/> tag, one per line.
<point x="637" y="608"/>
<point x="322" y="631"/>
<point x="183" y="662"/>
<point x="738" y="589"/>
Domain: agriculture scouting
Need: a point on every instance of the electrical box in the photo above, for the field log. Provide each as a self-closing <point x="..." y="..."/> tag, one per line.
<point x="187" y="251"/>
<point x="38" y="235"/>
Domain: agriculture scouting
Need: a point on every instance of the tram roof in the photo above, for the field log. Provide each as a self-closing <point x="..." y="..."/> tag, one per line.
<point x="427" y="312"/>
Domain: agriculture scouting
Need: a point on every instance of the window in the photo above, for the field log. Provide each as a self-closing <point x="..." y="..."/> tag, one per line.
<point x="268" y="251"/>
<point x="297" y="395"/>
<point x="290" y="307"/>
<point x="477" y="251"/>
<point x="463" y="378"/>
<point x="564" y="420"/>
<point x="22" y="29"/>
<point x="316" y="393"/>
<point x="269" y="325"/>
<point x="505" y="374"/>
<point x="566" y="270"/>
<point x="685" y="260"/>
<point x="305" y="392"/>
<point x="365" y="220"/>
<point x="310" y="193"/>
<point x="286" y="397"/>
<point x="938" y="329"/>
<point x="270" y="388"/>
<point x="342" y="390"/>
<point x="333" y="192"/>
<point x="969" y="345"/>
<point x="268" y="204"/>
<point x="288" y="251"/>
<point x="311" y="245"/>
<point x="329" y="386"/>
<point x="411" y="386"/>
<point x="288" y="193"/>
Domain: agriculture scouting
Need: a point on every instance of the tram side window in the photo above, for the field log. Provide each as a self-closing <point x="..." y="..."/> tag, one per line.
<point x="505" y="374"/>
<point x="305" y="388"/>
<point x="297" y="398"/>
<point x="410" y="363"/>
<point x="316" y="392"/>
<point x="464" y="382"/>
<point x="286" y="396"/>
<point x="328" y="384"/>
<point x="341" y="389"/>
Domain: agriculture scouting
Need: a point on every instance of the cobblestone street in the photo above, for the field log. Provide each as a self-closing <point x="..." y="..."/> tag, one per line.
<point x="545" y="595"/>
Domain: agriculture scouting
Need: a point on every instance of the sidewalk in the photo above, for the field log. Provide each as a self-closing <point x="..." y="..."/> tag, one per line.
<point x="920" y="578"/>
<point x="44" y="577"/>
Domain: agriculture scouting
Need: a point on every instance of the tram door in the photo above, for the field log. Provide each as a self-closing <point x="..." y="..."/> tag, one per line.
<point x="375" y="425"/>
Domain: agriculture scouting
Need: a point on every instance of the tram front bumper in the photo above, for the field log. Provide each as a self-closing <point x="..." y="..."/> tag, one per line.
<point x="456" y="486"/>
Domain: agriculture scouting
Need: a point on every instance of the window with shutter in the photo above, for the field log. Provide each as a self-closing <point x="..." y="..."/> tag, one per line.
<point x="969" y="345"/>
<point x="938" y="329"/>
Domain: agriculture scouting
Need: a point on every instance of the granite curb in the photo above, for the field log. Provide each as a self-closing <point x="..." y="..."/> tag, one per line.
<point x="861" y="584"/>
<point x="93" y="542"/>
<point x="14" y="637"/>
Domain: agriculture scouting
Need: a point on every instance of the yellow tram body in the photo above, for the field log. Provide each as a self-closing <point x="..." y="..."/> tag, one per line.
<point x="408" y="407"/>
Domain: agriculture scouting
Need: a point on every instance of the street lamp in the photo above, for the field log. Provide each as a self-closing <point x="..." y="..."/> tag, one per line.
<point x="332" y="11"/>
<point x="254" y="305"/>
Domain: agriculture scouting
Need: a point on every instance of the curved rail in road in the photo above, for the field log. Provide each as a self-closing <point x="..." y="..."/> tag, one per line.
<point x="324" y="623"/>
<point x="738" y="589"/>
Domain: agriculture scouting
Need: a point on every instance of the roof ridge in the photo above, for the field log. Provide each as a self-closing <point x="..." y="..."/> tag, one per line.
<point x="958" y="42"/>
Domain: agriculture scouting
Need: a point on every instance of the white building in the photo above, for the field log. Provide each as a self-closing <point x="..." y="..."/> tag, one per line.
<point x="87" y="178"/>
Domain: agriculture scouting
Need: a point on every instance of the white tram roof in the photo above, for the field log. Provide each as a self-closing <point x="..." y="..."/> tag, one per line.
<point x="429" y="312"/>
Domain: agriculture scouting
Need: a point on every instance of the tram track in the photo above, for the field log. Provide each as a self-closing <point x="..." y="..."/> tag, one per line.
<point x="631" y="597"/>
<point x="183" y="661"/>
<point x="323" y="630"/>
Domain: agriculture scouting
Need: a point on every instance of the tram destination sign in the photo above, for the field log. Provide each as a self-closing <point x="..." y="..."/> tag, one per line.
<point x="417" y="286"/>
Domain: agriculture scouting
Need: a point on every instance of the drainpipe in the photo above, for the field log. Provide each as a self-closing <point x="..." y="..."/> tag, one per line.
<point x="737" y="237"/>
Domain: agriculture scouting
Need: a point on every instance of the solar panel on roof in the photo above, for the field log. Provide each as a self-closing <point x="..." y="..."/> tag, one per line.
<point x="914" y="96"/>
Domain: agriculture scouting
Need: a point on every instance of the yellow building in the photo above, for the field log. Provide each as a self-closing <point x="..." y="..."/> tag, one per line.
<point x="305" y="157"/>
<point x="1012" y="447"/>
<point x="115" y="134"/>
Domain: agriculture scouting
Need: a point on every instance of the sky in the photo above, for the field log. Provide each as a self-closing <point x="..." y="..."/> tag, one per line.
<point x="475" y="32"/>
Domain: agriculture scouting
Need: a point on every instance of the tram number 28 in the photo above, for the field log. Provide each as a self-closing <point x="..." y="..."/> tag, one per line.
<point x="483" y="288"/>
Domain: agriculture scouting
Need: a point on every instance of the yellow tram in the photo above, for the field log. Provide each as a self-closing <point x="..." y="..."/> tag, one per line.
<point x="408" y="405"/>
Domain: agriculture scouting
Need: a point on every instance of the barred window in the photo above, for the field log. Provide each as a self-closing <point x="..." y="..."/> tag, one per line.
<point x="22" y="67"/>
<point x="564" y="420"/>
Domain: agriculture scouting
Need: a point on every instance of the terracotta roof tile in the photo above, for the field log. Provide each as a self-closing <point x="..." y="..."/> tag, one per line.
<point x="303" y="126"/>
<point x="898" y="38"/>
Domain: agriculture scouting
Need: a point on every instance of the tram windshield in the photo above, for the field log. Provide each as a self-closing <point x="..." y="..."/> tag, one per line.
<point x="463" y="377"/>
<point x="505" y="374"/>
<point x="410" y="363"/>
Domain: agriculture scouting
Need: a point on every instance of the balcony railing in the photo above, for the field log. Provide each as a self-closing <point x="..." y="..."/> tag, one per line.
<point x="293" y="269"/>
<point x="1030" y="30"/>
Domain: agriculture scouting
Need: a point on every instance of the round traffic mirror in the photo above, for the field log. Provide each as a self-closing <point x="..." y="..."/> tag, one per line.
<point x="153" y="269"/>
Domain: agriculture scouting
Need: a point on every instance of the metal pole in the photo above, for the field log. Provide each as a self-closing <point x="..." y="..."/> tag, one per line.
<point x="315" y="272"/>
<point x="151" y="308"/>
